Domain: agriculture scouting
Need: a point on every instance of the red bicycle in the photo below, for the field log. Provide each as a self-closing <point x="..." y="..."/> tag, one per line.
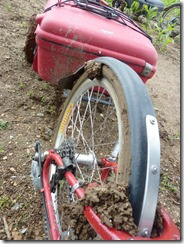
<point x="106" y="157"/>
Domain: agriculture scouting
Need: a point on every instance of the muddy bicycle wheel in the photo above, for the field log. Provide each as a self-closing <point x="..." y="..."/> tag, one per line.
<point x="109" y="114"/>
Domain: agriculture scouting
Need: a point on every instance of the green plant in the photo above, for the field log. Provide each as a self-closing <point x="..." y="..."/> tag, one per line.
<point x="109" y="2"/>
<point x="51" y="109"/>
<point x="175" y="136"/>
<point x="3" y="124"/>
<point x="30" y="93"/>
<point x="150" y="14"/>
<point x="45" y="86"/>
<point x="21" y="85"/>
<point x="4" y="202"/>
<point x="43" y="99"/>
<point x="1" y="150"/>
<point x="166" y="183"/>
<point x="163" y="36"/>
<point x="24" y="24"/>
<point x="9" y="7"/>
<point x="134" y="9"/>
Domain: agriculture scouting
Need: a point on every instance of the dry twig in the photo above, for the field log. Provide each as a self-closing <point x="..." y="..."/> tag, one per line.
<point x="6" y="229"/>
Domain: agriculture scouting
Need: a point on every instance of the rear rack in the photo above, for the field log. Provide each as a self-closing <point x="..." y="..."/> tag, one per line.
<point x="105" y="11"/>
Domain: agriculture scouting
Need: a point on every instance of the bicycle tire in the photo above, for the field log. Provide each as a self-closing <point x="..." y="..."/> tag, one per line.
<point x="164" y="24"/>
<point x="132" y="105"/>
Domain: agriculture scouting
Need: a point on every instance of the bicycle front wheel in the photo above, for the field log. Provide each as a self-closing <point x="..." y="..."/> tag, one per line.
<point x="106" y="116"/>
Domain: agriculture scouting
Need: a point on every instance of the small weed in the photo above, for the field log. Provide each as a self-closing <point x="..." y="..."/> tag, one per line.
<point x="109" y="2"/>
<point x="4" y="202"/>
<point x="24" y="24"/>
<point x="174" y="137"/>
<point x="134" y="10"/>
<point x="3" y="124"/>
<point x="30" y="93"/>
<point x="163" y="36"/>
<point x="43" y="99"/>
<point x="45" y="86"/>
<point x="166" y="184"/>
<point x="1" y="150"/>
<point x="21" y="85"/>
<point x="51" y="110"/>
<point x="9" y="7"/>
<point x="150" y="14"/>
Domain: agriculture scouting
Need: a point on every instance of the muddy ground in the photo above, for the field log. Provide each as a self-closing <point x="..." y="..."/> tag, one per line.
<point x="28" y="112"/>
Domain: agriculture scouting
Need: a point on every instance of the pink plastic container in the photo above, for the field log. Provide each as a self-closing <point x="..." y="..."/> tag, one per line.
<point x="67" y="36"/>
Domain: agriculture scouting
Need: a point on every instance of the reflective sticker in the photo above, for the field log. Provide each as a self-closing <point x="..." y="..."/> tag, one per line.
<point x="65" y="118"/>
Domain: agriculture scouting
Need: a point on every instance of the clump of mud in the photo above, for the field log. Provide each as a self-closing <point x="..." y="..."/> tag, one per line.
<point x="80" y="228"/>
<point x="158" y="223"/>
<point x="110" y="202"/>
<point x="30" y="39"/>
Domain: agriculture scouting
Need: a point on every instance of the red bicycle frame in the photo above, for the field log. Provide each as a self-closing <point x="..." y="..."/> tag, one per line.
<point x="170" y="231"/>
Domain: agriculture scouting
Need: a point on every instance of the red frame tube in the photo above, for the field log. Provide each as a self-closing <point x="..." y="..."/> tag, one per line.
<point x="54" y="231"/>
<point x="107" y="164"/>
<point x="170" y="232"/>
<point x="72" y="181"/>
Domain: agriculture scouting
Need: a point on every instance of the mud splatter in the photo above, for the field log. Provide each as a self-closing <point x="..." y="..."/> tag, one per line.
<point x="93" y="69"/>
<point x="30" y="40"/>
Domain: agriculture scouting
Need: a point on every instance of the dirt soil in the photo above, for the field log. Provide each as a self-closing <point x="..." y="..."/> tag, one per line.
<point x="28" y="112"/>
